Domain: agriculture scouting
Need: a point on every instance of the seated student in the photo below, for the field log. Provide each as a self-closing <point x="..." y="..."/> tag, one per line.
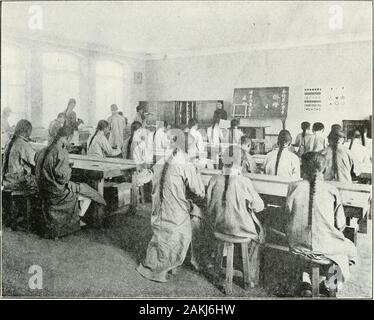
<point x="64" y="202"/>
<point x="19" y="164"/>
<point x="161" y="141"/>
<point x="236" y="132"/>
<point x="134" y="146"/>
<point x="98" y="144"/>
<point x="197" y="143"/>
<point x="248" y="163"/>
<point x="232" y="202"/>
<point x="360" y="154"/>
<point x="281" y="161"/>
<point x="170" y="220"/>
<point x="304" y="140"/>
<point x="316" y="220"/>
<point x="319" y="141"/>
<point x="339" y="160"/>
<point x="55" y="125"/>
<point x="117" y="124"/>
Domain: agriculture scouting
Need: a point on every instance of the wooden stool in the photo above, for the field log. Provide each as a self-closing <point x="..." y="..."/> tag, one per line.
<point x="314" y="265"/>
<point x="250" y="264"/>
<point x="22" y="196"/>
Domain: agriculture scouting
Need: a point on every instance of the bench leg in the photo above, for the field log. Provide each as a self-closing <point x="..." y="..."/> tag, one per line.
<point x="315" y="281"/>
<point x="229" y="268"/>
<point x="245" y="264"/>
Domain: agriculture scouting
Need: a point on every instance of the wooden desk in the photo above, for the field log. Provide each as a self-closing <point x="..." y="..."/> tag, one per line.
<point x="96" y="170"/>
<point x="356" y="198"/>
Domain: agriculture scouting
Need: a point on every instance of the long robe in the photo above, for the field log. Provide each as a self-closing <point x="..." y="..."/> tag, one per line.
<point x="54" y="126"/>
<point x="21" y="162"/>
<point x="170" y="219"/>
<point x="328" y="220"/>
<point x="305" y="144"/>
<point x="345" y="163"/>
<point x="360" y="154"/>
<point x="236" y="222"/>
<point x="71" y="120"/>
<point x="288" y="166"/>
<point x="117" y="125"/>
<point x="100" y="146"/>
<point x="319" y="141"/>
<point x="60" y="195"/>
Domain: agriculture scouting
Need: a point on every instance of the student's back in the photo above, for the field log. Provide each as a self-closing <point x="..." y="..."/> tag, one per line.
<point x="288" y="166"/>
<point x="234" y="222"/>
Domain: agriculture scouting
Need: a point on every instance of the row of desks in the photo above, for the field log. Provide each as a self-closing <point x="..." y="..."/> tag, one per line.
<point x="356" y="198"/>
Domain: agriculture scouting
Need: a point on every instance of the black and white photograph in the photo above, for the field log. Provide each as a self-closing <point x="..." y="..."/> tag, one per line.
<point x="186" y="150"/>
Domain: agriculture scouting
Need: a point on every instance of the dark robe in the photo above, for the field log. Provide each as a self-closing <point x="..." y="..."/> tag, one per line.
<point x="71" y="120"/>
<point x="60" y="195"/>
<point x="220" y="114"/>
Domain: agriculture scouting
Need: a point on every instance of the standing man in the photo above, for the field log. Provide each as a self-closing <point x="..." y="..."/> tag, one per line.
<point x="220" y="113"/>
<point x="117" y="125"/>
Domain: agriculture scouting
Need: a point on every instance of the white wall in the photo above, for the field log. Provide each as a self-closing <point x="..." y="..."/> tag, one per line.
<point x="216" y="76"/>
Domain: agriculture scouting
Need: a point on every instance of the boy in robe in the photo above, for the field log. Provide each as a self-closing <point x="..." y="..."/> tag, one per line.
<point x="98" y="144"/>
<point x="316" y="220"/>
<point x="281" y="161"/>
<point x="19" y="164"/>
<point x="170" y="220"/>
<point x="64" y="202"/>
<point x="248" y="163"/>
<point x="117" y="125"/>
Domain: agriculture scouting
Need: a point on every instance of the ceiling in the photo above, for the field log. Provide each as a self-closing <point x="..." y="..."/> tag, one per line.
<point x="170" y="27"/>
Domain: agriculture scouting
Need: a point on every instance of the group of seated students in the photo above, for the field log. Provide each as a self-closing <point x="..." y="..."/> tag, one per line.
<point x="181" y="207"/>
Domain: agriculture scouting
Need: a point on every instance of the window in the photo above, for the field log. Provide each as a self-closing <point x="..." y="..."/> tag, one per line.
<point x="61" y="74"/>
<point x="13" y="83"/>
<point x="109" y="87"/>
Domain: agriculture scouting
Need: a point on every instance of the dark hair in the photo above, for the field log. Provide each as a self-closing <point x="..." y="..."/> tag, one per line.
<point x="245" y="140"/>
<point x="114" y="107"/>
<point x="134" y="126"/>
<point x="62" y="132"/>
<point x="192" y="122"/>
<point x="312" y="163"/>
<point x="224" y="195"/>
<point x="336" y="126"/>
<point x="120" y="113"/>
<point x="234" y="123"/>
<point x="61" y="114"/>
<point x="101" y="125"/>
<point x="163" y="174"/>
<point x="221" y="102"/>
<point x="354" y="134"/>
<point x="333" y="139"/>
<point x="23" y="128"/>
<point x="318" y="126"/>
<point x="305" y="126"/>
<point x="140" y="107"/>
<point x="284" y="138"/>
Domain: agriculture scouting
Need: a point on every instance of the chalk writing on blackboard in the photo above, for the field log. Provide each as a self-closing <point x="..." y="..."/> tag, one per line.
<point x="270" y="102"/>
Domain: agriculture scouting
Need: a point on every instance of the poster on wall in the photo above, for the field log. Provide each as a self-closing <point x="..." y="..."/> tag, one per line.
<point x="331" y="98"/>
<point x="269" y="102"/>
<point x="312" y="99"/>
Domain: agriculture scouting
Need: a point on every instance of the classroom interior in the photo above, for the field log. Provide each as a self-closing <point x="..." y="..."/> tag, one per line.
<point x="177" y="59"/>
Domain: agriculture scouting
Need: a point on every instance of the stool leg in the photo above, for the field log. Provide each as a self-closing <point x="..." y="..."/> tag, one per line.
<point x="254" y="262"/>
<point x="245" y="264"/>
<point x="315" y="281"/>
<point x="219" y="258"/>
<point x="229" y="267"/>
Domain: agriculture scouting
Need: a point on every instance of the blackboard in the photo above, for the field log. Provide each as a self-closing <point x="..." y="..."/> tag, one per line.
<point x="270" y="102"/>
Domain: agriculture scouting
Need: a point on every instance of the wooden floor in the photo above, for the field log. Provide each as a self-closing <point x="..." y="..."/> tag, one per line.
<point x="101" y="263"/>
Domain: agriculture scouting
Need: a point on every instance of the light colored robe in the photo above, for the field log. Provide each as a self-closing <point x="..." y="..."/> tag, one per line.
<point x="117" y="125"/>
<point x="305" y="144"/>
<point x="171" y="223"/>
<point x="196" y="146"/>
<point x="319" y="141"/>
<point x="100" y="146"/>
<point x="328" y="220"/>
<point x="21" y="161"/>
<point x="236" y="222"/>
<point x="345" y="162"/>
<point x="360" y="154"/>
<point x="60" y="195"/>
<point x="288" y="166"/>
